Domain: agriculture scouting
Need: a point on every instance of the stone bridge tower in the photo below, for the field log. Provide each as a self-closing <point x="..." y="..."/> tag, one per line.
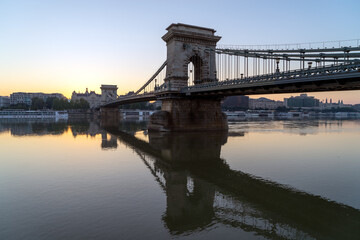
<point x="185" y="44"/>
<point x="179" y="112"/>
<point x="108" y="93"/>
<point x="110" y="116"/>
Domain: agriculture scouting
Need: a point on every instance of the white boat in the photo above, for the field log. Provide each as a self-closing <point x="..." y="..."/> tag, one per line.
<point x="346" y="115"/>
<point x="252" y="114"/>
<point x="294" y="114"/>
<point x="39" y="114"/>
<point x="235" y="115"/>
<point x="266" y="114"/>
<point x="135" y="114"/>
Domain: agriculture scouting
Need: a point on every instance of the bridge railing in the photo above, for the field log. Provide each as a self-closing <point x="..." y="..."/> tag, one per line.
<point x="296" y="46"/>
<point x="278" y="77"/>
<point x="232" y="64"/>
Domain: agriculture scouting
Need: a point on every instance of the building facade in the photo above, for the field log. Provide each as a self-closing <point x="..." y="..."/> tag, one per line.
<point x="302" y="101"/>
<point x="234" y="102"/>
<point x="4" y="102"/>
<point x="20" y="98"/>
<point x="108" y="93"/>
<point x="91" y="97"/>
<point x="331" y="104"/>
<point x="25" y="98"/>
<point x="264" y="103"/>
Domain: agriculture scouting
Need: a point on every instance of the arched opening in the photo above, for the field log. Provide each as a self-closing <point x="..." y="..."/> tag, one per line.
<point x="194" y="70"/>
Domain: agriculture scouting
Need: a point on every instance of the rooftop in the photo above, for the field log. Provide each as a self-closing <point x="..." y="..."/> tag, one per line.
<point x="187" y="27"/>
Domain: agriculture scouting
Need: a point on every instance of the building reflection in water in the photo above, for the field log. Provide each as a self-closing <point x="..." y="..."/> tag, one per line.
<point x="28" y="127"/>
<point x="202" y="190"/>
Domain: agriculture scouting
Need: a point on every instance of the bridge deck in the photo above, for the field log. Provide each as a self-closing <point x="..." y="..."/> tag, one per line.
<point x="131" y="99"/>
<point x="331" y="78"/>
<point x="343" y="77"/>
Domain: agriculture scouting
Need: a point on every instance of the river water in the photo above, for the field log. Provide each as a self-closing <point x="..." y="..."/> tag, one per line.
<point x="79" y="179"/>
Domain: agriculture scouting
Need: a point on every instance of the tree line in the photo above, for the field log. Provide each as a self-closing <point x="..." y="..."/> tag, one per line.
<point x="52" y="103"/>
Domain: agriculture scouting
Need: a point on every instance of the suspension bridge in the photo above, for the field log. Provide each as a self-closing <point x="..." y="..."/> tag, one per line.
<point x="197" y="73"/>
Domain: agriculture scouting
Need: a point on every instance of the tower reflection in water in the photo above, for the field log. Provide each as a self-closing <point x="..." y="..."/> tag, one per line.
<point x="203" y="191"/>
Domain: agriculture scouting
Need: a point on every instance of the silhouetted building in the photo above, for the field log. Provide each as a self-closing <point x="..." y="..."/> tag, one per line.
<point x="91" y="97"/>
<point x="25" y="98"/>
<point x="356" y="106"/>
<point x="264" y="103"/>
<point x="236" y="102"/>
<point x="331" y="104"/>
<point x="4" y="101"/>
<point x="301" y="101"/>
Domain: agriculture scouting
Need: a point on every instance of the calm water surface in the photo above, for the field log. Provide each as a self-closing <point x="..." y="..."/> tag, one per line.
<point x="261" y="180"/>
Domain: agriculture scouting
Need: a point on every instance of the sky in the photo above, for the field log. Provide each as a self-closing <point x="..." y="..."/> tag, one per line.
<point x="62" y="46"/>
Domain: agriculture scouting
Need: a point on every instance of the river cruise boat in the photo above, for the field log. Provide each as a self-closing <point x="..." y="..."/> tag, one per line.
<point x="266" y="114"/>
<point x="235" y="115"/>
<point x="135" y="114"/>
<point x="260" y="114"/>
<point x="347" y="115"/>
<point x="33" y="114"/>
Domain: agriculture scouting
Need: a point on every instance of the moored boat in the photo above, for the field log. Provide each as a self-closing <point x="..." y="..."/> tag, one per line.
<point x="15" y="113"/>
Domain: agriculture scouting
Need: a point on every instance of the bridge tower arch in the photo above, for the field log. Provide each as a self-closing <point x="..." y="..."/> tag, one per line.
<point x="185" y="44"/>
<point x="194" y="70"/>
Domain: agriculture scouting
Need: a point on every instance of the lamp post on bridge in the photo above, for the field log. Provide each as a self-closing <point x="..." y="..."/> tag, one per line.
<point x="277" y="65"/>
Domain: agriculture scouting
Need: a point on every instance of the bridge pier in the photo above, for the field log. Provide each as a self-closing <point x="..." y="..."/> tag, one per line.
<point x="109" y="117"/>
<point x="189" y="114"/>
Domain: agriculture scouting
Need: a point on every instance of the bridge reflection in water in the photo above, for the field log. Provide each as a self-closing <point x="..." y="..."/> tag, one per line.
<point x="203" y="191"/>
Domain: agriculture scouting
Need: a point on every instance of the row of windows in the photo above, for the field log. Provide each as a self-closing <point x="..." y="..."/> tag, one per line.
<point x="18" y="113"/>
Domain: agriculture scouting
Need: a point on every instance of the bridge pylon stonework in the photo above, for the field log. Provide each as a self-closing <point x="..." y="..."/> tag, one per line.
<point x="189" y="114"/>
<point x="189" y="44"/>
<point x="185" y="44"/>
